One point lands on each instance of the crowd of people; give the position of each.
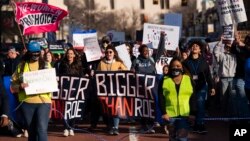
(186, 82)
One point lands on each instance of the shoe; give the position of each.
(115, 131)
(202, 129)
(25, 133)
(166, 130)
(147, 131)
(71, 132)
(66, 133)
(157, 124)
(111, 131)
(18, 135)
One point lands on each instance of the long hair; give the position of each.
(26, 58)
(116, 56)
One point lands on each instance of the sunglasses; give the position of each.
(109, 52)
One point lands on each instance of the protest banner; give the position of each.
(92, 49)
(38, 17)
(151, 33)
(121, 93)
(126, 94)
(78, 38)
(40, 81)
(71, 98)
(41, 41)
(124, 55)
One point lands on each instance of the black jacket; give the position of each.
(4, 100)
(200, 68)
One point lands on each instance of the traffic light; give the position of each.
(2, 2)
(184, 2)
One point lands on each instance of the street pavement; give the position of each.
(217, 131)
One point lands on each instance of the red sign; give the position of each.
(38, 17)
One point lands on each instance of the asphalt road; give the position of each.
(217, 131)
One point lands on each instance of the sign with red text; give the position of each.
(92, 49)
(151, 34)
(38, 17)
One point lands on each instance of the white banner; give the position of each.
(151, 33)
(78, 38)
(124, 55)
(92, 49)
(40, 81)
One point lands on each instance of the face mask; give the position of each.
(34, 57)
(176, 72)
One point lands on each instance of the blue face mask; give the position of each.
(176, 72)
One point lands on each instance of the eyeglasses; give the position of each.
(108, 52)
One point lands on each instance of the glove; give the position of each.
(4, 121)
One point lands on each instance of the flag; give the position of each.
(38, 17)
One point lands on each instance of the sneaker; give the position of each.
(147, 131)
(157, 124)
(111, 131)
(25, 133)
(71, 132)
(115, 131)
(18, 135)
(66, 133)
(166, 129)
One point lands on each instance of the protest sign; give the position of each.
(78, 38)
(38, 17)
(151, 33)
(124, 55)
(116, 36)
(41, 41)
(40, 81)
(228, 33)
(56, 48)
(231, 11)
(174, 19)
(92, 49)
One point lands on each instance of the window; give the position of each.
(112, 4)
(162, 4)
(167, 4)
(144, 19)
(155, 2)
(142, 4)
(184, 2)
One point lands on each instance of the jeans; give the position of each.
(226, 92)
(240, 101)
(178, 124)
(36, 116)
(201, 99)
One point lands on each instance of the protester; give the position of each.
(226, 72)
(70, 66)
(49, 58)
(200, 73)
(177, 101)
(10, 64)
(240, 100)
(4, 109)
(144, 64)
(247, 68)
(112, 62)
(36, 108)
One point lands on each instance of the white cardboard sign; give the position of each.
(92, 49)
